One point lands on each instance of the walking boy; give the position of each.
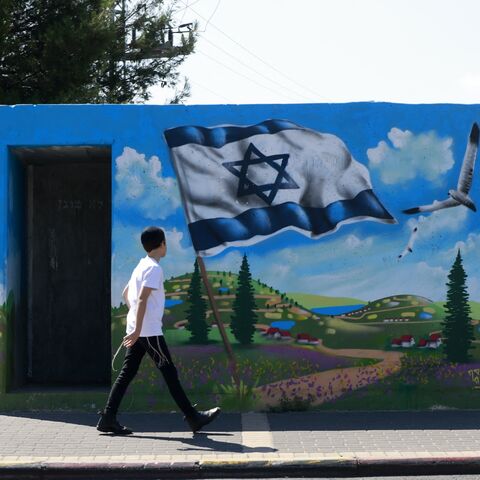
(145, 298)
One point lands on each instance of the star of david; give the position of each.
(254, 156)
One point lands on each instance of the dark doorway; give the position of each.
(68, 253)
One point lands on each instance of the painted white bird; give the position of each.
(460, 195)
(411, 241)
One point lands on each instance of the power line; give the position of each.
(255, 70)
(184, 12)
(187, 6)
(255, 55)
(211, 16)
(270, 89)
(230, 55)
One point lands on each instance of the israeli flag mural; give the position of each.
(241, 184)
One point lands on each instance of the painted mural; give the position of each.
(340, 242)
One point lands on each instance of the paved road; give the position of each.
(66, 445)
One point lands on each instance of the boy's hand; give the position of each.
(129, 340)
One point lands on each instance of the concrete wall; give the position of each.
(366, 316)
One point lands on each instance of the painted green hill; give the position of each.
(377, 323)
(309, 300)
(273, 305)
(397, 308)
(474, 306)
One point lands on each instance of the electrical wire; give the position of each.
(184, 12)
(211, 16)
(256, 71)
(270, 89)
(187, 6)
(230, 55)
(255, 55)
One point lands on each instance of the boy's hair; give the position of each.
(151, 238)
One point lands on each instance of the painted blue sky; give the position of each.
(413, 154)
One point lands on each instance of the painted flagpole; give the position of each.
(218, 321)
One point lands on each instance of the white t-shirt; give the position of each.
(148, 273)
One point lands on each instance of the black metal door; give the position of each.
(69, 238)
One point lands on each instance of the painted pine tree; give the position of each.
(197, 310)
(457, 327)
(243, 319)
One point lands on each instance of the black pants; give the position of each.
(157, 349)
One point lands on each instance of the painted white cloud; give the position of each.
(141, 185)
(230, 262)
(280, 271)
(473, 288)
(358, 267)
(179, 259)
(338, 283)
(470, 244)
(437, 273)
(334, 265)
(371, 282)
(441, 221)
(409, 156)
(368, 268)
(353, 242)
(307, 257)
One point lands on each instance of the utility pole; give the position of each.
(163, 50)
(129, 25)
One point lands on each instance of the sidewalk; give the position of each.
(66, 445)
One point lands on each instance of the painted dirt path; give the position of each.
(326, 386)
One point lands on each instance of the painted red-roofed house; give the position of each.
(285, 335)
(313, 341)
(407, 341)
(434, 341)
(272, 331)
(396, 343)
(422, 343)
(303, 338)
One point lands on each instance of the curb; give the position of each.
(340, 467)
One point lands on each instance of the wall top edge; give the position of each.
(241, 105)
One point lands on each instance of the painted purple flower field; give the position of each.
(203, 367)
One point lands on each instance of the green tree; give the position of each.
(457, 326)
(89, 51)
(197, 310)
(244, 317)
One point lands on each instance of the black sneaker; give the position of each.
(199, 419)
(108, 423)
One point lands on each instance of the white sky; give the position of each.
(409, 51)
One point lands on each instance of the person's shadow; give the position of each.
(202, 441)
